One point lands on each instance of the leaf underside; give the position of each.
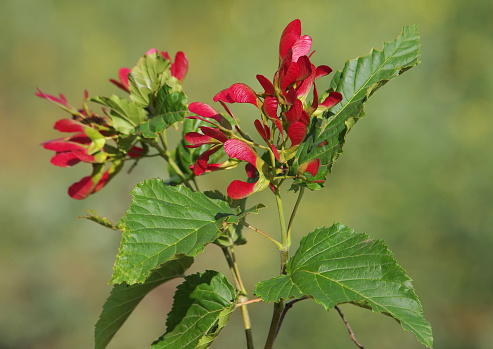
(201, 308)
(147, 77)
(164, 221)
(336, 265)
(124, 114)
(124, 299)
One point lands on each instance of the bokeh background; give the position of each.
(416, 171)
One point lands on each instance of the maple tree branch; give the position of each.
(288, 306)
(351, 333)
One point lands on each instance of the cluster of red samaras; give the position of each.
(91, 136)
(285, 116)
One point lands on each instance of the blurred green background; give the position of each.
(416, 171)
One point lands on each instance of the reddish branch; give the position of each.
(289, 305)
(351, 333)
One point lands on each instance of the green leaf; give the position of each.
(215, 194)
(360, 78)
(236, 232)
(254, 209)
(336, 265)
(170, 105)
(124, 299)
(147, 77)
(310, 182)
(170, 108)
(201, 308)
(125, 143)
(233, 235)
(124, 114)
(163, 221)
(93, 216)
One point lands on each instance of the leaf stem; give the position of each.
(277, 243)
(255, 300)
(144, 156)
(164, 141)
(250, 142)
(242, 297)
(282, 222)
(293, 214)
(285, 177)
(195, 183)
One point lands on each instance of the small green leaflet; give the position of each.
(125, 143)
(337, 265)
(124, 114)
(105, 222)
(147, 77)
(233, 235)
(170, 105)
(163, 221)
(124, 299)
(360, 78)
(170, 108)
(201, 308)
(254, 209)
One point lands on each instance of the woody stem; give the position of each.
(242, 297)
(279, 306)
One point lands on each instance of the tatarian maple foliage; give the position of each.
(169, 222)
